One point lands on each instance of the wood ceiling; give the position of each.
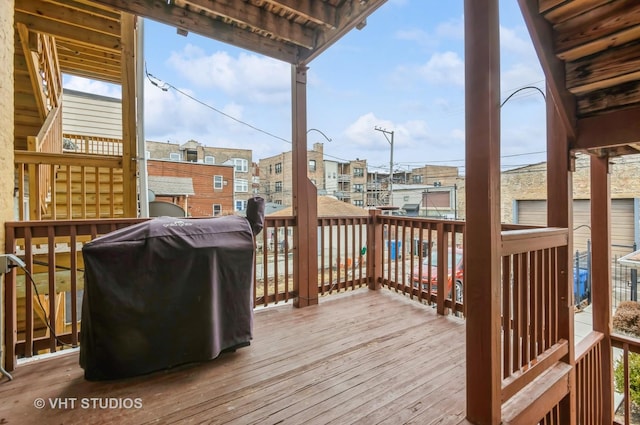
(589, 49)
(590, 52)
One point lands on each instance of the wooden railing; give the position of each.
(81, 186)
(79, 143)
(627, 345)
(589, 395)
(42, 61)
(50, 70)
(420, 259)
(531, 308)
(48, 140)
(51, 251)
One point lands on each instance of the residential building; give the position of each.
(90, 114)
(202, 190)
(347, 181)
(276, 183)
(435, 175)
(243, 181)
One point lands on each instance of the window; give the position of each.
(241, 205)
(174, 156)
(358, 188)
(358, 172)
(278, 202)
(192, 156)
(217, 210)
(417, 179)
(241, 165)
(312, 165)
(279, 168)
(358, 203)
(209, 159)
(241, 185)
(278, 186)
(218, 182)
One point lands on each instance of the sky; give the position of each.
(403, 72)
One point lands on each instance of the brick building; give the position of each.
(524, 194)
(244, 180)
(211, 186)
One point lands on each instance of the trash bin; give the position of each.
(392, 250)
(166, 292)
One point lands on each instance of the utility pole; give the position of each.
(390, 140)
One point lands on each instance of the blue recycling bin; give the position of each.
(392, 249)
(580, 285)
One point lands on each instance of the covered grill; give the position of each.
(167, 291)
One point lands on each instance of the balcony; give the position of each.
(353, 354)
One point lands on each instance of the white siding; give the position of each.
(91, 115)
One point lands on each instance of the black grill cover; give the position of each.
(166, 292)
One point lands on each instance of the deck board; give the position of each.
(362, 357)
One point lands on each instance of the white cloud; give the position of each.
(362, 132)
(511, 42)
(255, 78)
(92, 86)
(444, 68)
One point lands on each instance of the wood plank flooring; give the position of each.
(364, 357)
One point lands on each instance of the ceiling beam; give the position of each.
(68, 32)
(318, 12)
(178, 17)
(61, 14)
(351, 14)
(621, 127)
(542, 36)
(260, 19)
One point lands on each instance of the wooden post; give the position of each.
(374, 249)
(482, 245)
(601, 274)
(305, 199)
(129, 132)
(560, 214)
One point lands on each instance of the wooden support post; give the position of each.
(560, 214)
(375, 249)
(129, 131)
(482, 245)
(305, 199)
(601, 274)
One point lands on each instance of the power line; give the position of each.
(165, 86)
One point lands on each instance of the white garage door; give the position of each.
(622, 225)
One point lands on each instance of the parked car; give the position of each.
(432, 262)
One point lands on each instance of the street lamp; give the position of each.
(390, 140)
(323, 135)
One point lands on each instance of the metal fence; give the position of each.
(624, 279)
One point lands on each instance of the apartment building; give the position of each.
(276, 179)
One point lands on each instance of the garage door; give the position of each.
(622, 225)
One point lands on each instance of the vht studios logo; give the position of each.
(88, 403)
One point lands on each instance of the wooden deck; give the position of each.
(362, 357)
